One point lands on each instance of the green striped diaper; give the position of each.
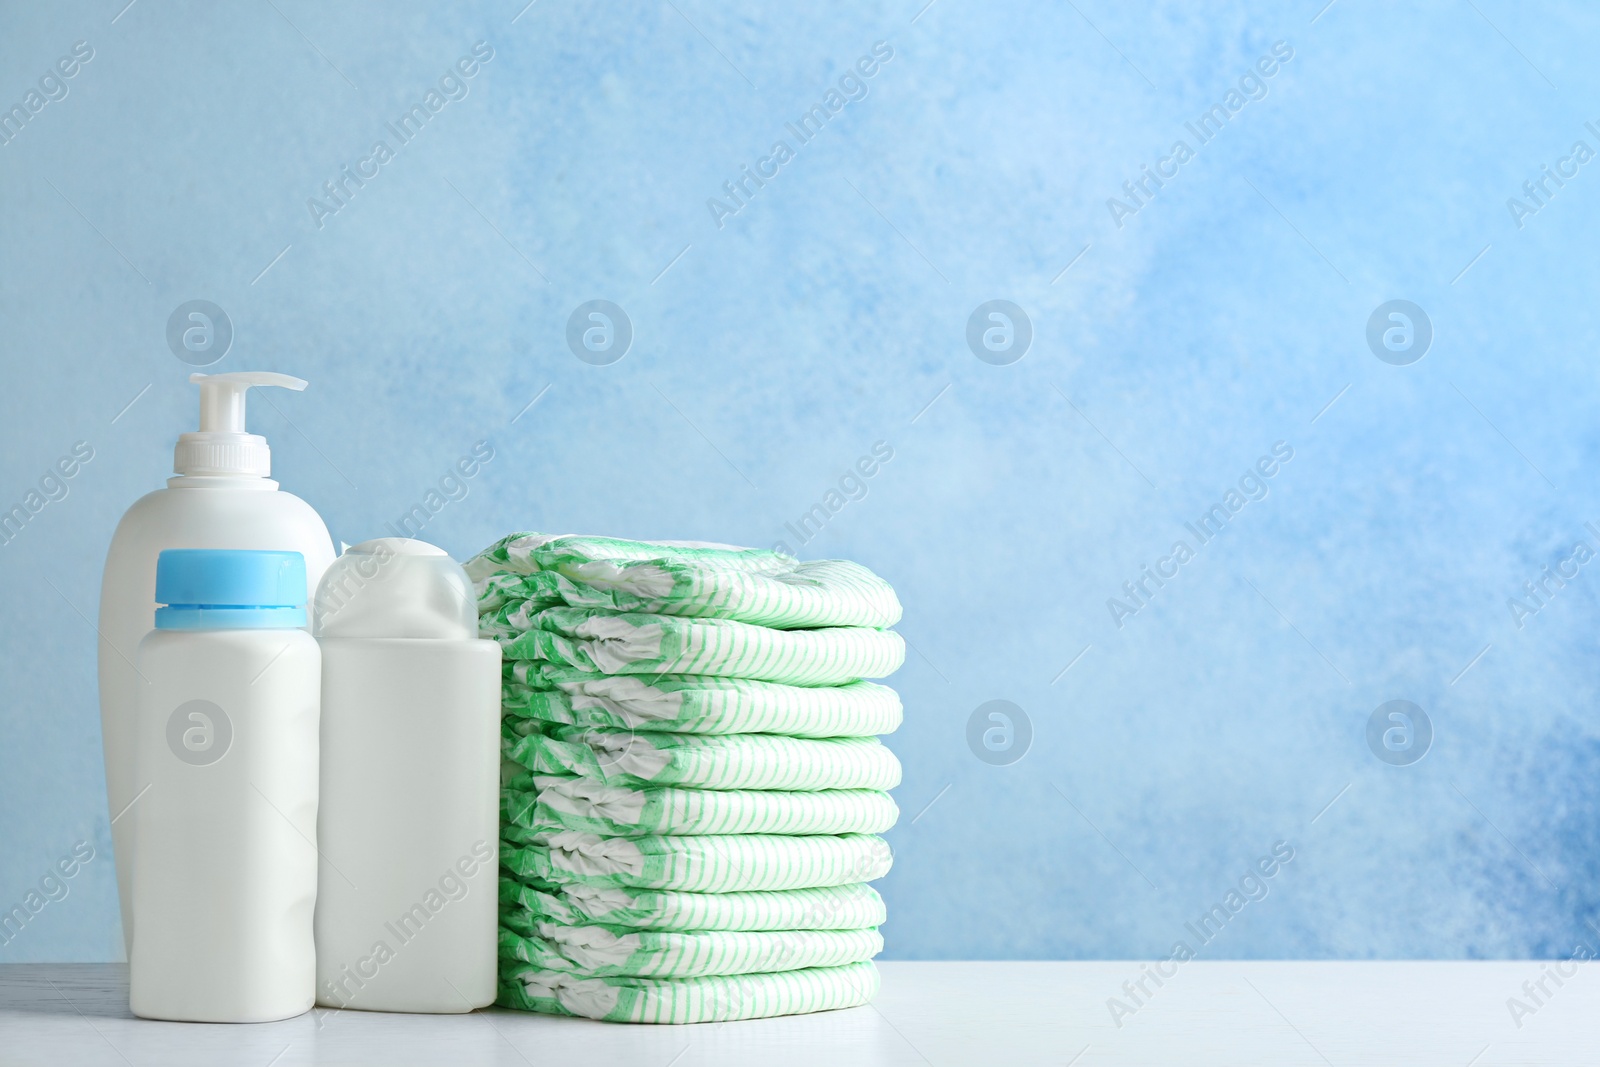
(692, 781)
(699, 705)
(636, 643)
(725, 761)
(843, 907)
(664, 578)
(687, 1000)
(547, 802)
(710, 864)
(596, 951)
(528, 553)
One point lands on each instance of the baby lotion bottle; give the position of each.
(224, 883)
(221, 497)
(409, 817)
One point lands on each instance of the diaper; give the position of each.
(636, 643)
(729, 761)
(597, 952)
(844, 907)
(528, 987)
(746, 584)
(709, 864)
(544, 802)
(692, 784)
(697, 704)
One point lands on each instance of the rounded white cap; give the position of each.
(395, 587)
(221, 446)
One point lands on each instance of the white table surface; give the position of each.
(993, 1014)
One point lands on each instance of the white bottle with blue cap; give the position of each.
(224, 883)
(222, 497)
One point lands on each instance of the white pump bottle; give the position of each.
(221, 497)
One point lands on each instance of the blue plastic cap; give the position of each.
(229, 588)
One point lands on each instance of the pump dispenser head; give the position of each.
(222, 447)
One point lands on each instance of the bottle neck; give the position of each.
(221, 481)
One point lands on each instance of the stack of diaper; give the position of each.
(694, 785)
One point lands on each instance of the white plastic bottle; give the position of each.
(221, 498)
(408, 824)
(225, 878)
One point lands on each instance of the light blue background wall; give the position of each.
(829, 314)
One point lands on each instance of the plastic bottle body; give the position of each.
(224, 880)
(193, 512)
(408, 824)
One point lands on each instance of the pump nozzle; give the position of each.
(222, 446)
